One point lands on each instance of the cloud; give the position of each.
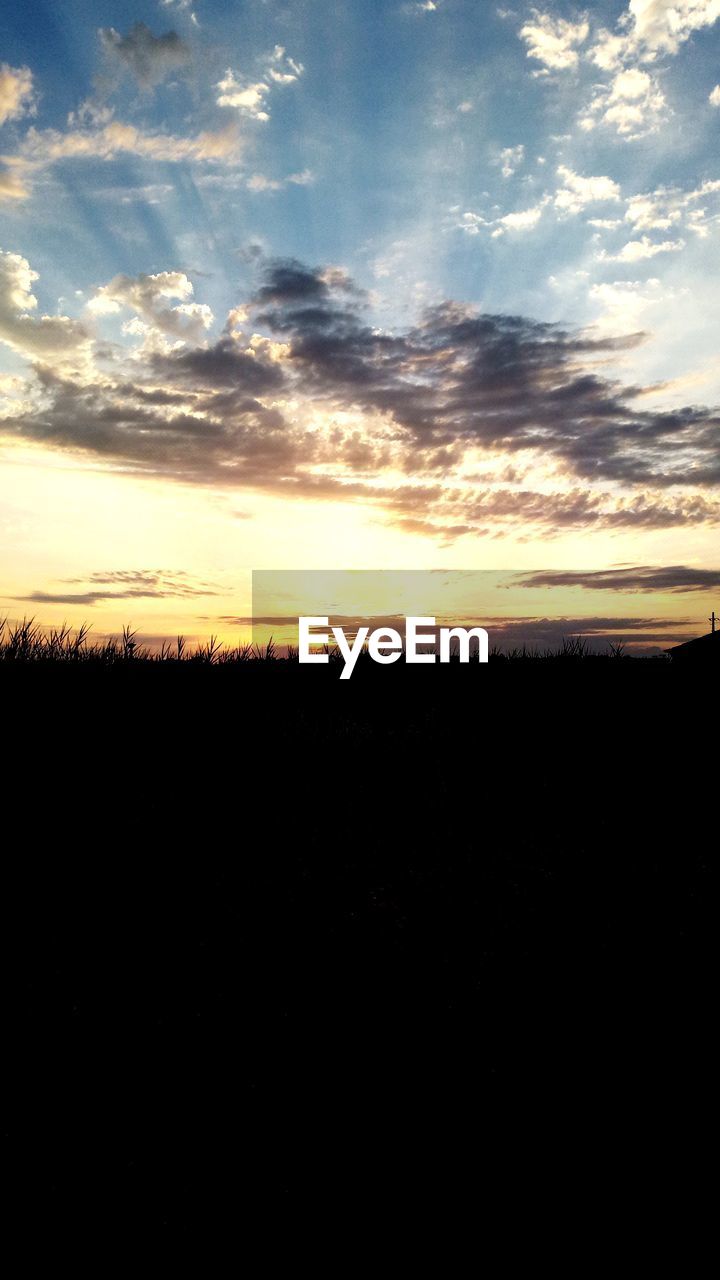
(43, 148)
(625, 303)
(635, 578)
(661, 26)
(553, 41)
(50, 145)
(651, 213)
(573, 195)
(714, 97)
(543, 634)
(633, 104)
(283, 69)
(248, 96)
(511, 159)
(649, 28)
(150, 59)
(639, 250)
(126, 584)
(260, 183)
(576, 192)
(148, 295)
(224, 367)
(521, 220)
(420, 424)
(670, 207)
(43, 337)
(12, 182)
(16, 92)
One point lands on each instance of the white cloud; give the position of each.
(47, 145)
(470, 223)
(661, 26)
(46, 338)
(671, 207)
(258, 182)
(245, 97)
(511, 158)
(182, 5)
(624, 303)
(303, 179)
(651, 212)
(649, 28)
(609, 50)
(553, 41)
(638, 250)
(16, 92)
(12, 182)
(520, 220)
(577, 192)
(633, 104)
(524, 220)
(248, 96)
(148, 297)
(714, 98)
(283, 69)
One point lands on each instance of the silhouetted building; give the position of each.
(705, 648)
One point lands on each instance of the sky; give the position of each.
(341, 285)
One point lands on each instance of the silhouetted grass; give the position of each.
(29, 642)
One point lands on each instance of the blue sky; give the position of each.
(400, 115)
(160, 161)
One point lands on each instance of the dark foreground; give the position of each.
(276, 940)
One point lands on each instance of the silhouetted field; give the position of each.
(245, 899)
(27, 641)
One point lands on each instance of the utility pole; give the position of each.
(712, 621)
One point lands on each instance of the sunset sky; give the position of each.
(359, 284)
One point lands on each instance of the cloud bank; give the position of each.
(463, 422)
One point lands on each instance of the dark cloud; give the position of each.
(224, 364)
(246, 444)
(675, 578)
(232, 413)
(495, 380)
(289, 283)
(149, 58)
(126, 584)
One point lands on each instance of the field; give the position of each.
(243, 893)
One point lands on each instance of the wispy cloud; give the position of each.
(126, 584)
(250, 97)
(632, 578)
